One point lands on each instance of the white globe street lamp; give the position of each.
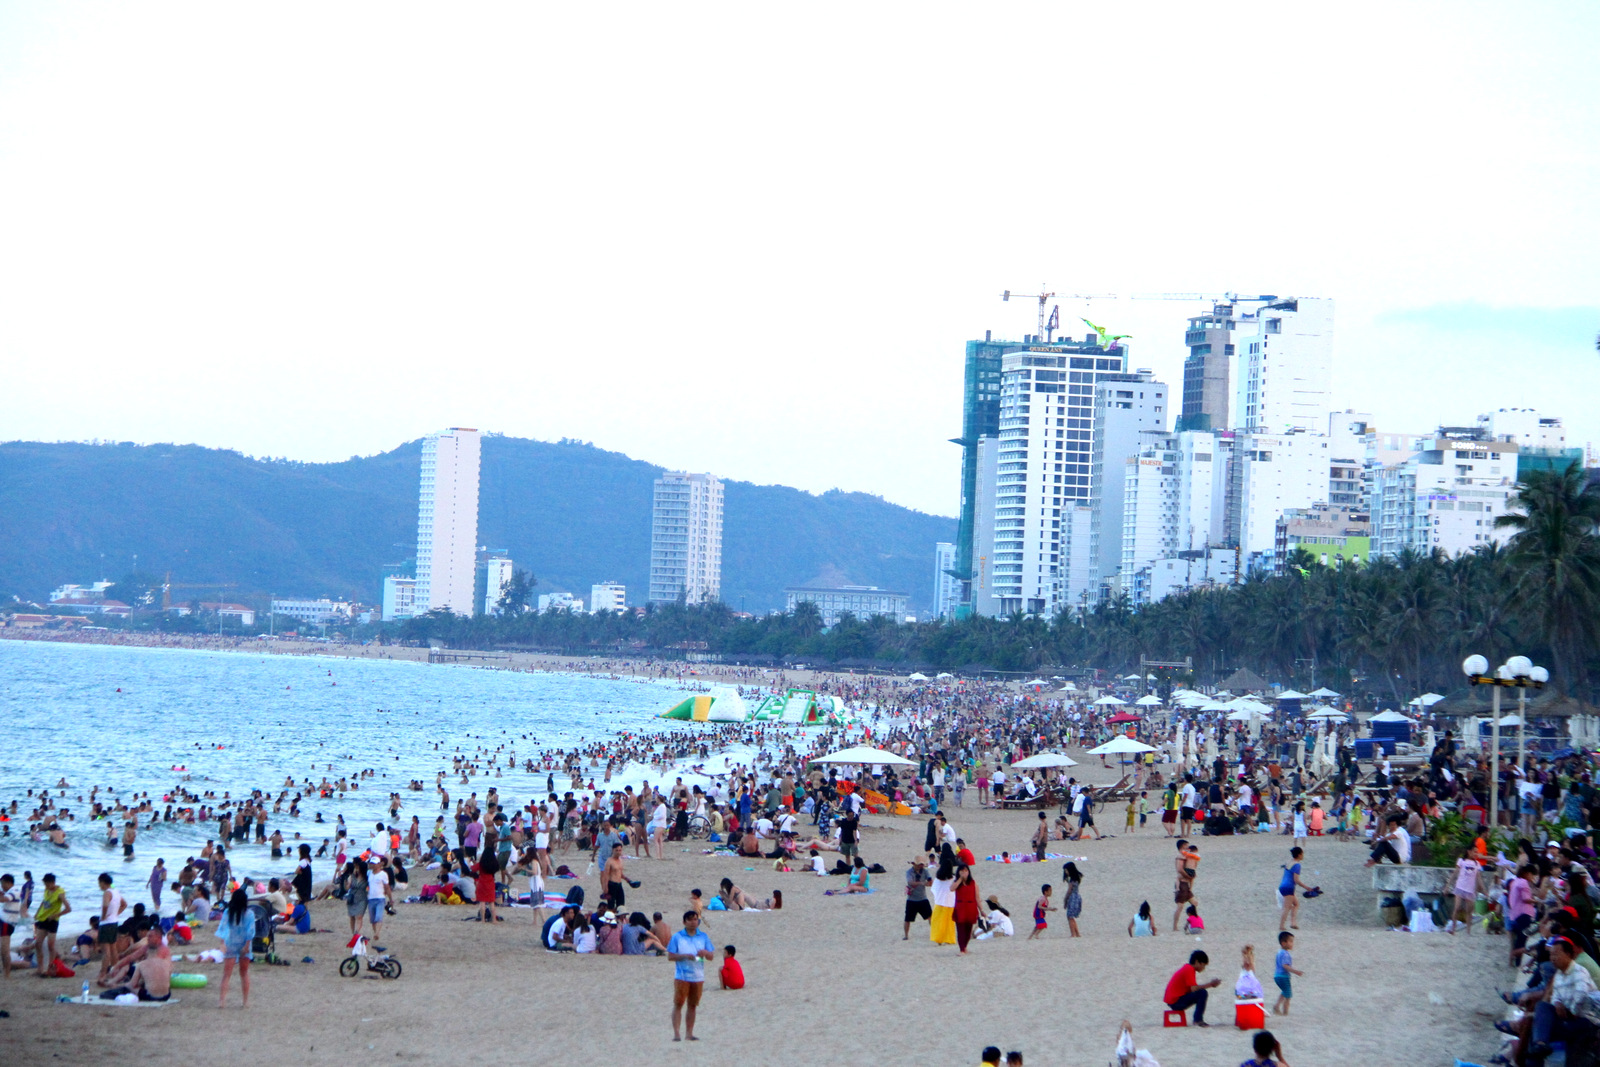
(1517, 671)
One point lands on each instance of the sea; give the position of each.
(143, 719)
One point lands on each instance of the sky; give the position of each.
(753, 239)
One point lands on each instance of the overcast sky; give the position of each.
(752, 239)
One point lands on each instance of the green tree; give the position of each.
(1555, 546)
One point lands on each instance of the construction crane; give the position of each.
(168, 586)
(1048, 326)
(1231, 298)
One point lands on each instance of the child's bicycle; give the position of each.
(386, 965)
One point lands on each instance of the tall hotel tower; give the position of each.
(686, 539)
(447, 520)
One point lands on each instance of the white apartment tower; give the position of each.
(1174, 498)
(1125, 407)
(1284, 374)
(1043, 462)
(686, 539)
(1446, 497)
(946, 588)
(608, 596)
(447, 521)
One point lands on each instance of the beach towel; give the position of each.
(846, 893)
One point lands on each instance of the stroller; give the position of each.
(264, 946)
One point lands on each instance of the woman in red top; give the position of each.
(966, 910)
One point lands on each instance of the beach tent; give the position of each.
(1389, 716)
(1426, 700)
(918, 677)
(1042, 760)
(1119, 745)
(944, 676)
(866, 755)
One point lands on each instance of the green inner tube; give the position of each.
(188, 981)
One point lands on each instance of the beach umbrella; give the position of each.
(1427, 700)
(1243, 715)
(1109, 701)
(1290, 694)
(1042, 760)
(944, 676)
(918, 677)
(865, 754)
(1121, 744)
(1324, 692)
(1070, 687)
(1130, 678)
(1125, 716)
(1151, 701)
(1389, 716)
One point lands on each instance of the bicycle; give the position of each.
(384, 964)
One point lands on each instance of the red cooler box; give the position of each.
(1250, 1014)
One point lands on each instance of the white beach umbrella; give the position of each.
(1042, 760)
(1389, 716)
(1120, 744)
(1109, 701)
(1290, 694)
(865, 754)
(944, 676)
(1324, 692)
(918, 677)
(1151, 701)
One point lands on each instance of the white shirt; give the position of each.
(376, 882)
(658, 818)
(787, 824)
(379, 844)
(948, 834)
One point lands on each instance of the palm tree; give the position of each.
(1556, 548)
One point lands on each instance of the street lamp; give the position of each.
(1518, 673)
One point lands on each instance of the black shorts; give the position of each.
(108, 934)
(919, 909)
(127, 849)
(48, 926)
(1186, 814)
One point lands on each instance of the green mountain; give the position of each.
(571, 513)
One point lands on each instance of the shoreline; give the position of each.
(615, 668)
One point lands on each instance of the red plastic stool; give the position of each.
(1174, 1018)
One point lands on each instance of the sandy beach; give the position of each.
(830, 978)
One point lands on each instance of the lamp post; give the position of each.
(1518, 672)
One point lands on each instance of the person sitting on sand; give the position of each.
(860, 878)
(148, 969)
(733, 898)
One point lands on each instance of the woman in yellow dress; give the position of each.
(942, 928)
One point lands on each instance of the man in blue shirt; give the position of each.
(689, 948)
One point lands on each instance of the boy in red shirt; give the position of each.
(732, 973)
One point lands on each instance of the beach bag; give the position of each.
(60, 969)
(715, 904)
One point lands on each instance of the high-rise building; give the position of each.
(608, 596)
(1447, 496)
(560, 602)
(980, 418)
(946, 588)
(1044, 452)
(1271, 473)
(1207, 372)
(1283, 377)
(1125, 406)
(496, 569)
(447, 521)
(981, 600)
(685, 539)
(1174, 497)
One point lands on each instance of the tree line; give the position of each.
(1393, 627)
